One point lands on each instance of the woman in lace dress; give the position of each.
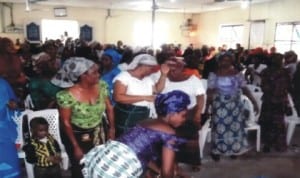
(225, 87)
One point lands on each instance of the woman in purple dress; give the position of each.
(225, 87)
(141, 146)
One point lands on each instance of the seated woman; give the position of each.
(131, 153)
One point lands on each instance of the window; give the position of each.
(63, 29)
(287, 37)
(142, 34)
(256, 37)
(230, 35)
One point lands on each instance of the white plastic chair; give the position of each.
(52, 117)
(18, 119)
(291, 121)
(252, 122)
(256, 93)
(204, 84)
(204, 133)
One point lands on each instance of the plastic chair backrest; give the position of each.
(294, 112)
(18, 119)
(52, 117)
(249, 106)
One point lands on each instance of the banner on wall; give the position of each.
(33, 32)
(86, 33)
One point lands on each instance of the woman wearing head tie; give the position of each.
(135, 150)
(81, 107)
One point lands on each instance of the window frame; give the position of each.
(232, 42)
(290, 43)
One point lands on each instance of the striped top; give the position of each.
(44, 150)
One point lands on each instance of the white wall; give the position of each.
(119, 26)
(272, 13)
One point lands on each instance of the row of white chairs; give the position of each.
(52, 117)
(291, 120)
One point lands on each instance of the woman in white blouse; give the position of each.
(134, 92)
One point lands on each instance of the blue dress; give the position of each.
(9, 163)
(108, 78)
(228, 121)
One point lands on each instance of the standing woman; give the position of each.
(276, 83)
(225, 87)
(81, 107)
(134, 92)
(9, 162)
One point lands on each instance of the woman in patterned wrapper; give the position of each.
(135, 150)
(225, 87)
(81, 107)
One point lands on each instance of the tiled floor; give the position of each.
(250, 165)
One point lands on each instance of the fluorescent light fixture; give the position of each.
(245, 4)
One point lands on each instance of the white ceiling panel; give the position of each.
(191, 6)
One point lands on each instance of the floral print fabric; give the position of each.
(84, 115)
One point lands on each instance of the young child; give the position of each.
(47, 151)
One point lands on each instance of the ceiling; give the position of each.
(188, 6)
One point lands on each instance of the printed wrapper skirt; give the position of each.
(111, 160)
(228, 125)
(127, 116)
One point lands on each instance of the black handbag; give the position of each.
(28, 148)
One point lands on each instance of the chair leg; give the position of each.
(258, 135)
(290, 132)
(65, 161)
(29, 169)
(202, 139)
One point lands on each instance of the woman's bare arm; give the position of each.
(111, 118)
(65, 116)
(168, 163)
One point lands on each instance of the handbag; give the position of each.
(28, 148)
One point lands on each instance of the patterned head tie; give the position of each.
(71, 70)
(171, 102)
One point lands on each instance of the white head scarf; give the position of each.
(145, 59)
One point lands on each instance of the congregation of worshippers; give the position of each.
(104, 91)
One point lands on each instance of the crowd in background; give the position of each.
(128, 85)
